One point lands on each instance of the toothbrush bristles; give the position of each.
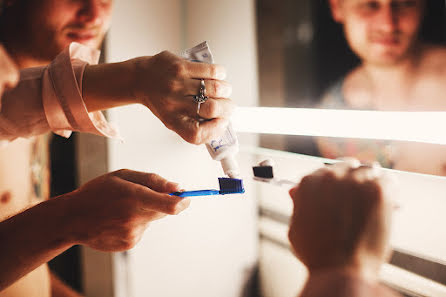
(231, 185)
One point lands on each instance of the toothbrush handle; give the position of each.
(195, 193)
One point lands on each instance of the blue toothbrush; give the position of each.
(227, 186)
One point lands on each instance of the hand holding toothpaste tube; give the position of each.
(166, 84)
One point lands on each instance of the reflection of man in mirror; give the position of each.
(397, 72)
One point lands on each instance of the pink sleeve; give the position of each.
(64, 106)
(50, 98)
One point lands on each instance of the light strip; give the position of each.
(426, 127)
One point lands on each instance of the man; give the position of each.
(398, 72)
(59, 23)
(35, 32)
(347, 208)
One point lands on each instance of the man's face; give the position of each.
(53, 24)
(380, 32)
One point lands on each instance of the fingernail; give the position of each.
(174, 184)
(184, 203)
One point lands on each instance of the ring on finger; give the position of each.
(201, 96)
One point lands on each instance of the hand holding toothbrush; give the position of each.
(111, 212)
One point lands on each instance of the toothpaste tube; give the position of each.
(224, 148)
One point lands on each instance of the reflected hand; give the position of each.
(341, 219)
(111, 212)
(166, 84)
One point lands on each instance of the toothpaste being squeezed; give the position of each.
(224, 148)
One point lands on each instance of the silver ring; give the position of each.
(201, 96)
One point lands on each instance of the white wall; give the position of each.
(209, 249)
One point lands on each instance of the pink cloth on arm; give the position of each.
(50, 98)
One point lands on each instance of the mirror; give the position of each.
(385, 55)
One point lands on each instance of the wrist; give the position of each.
(344, 281)
(108, 85)
(137, 85)
(347, 271)
(66, 219)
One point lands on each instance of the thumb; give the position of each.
(150, 180)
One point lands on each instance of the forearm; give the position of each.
(343, 284)
(109, 85)
(50, 98)
(32, 238)
(60, 289)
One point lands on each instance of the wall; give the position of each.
(210, 249)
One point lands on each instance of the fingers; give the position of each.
(151, 180)
(212, 129)
(151, 189)
(205, 71)
(199, 132)
(216, 108)
(160, 202)
(214, 88)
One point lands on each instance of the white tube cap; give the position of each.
(230, 167)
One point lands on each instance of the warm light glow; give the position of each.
(429, 127)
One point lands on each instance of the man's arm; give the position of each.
(69, 94)
(109, 213)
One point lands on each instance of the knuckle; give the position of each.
(152, 178)
(217, 88)
(213, 70)
(121, 172)
(173, 86)
(178, 69)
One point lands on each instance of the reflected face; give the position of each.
(380, 31)
(53, 24)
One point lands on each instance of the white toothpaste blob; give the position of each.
(267, 162)
(224, 148)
